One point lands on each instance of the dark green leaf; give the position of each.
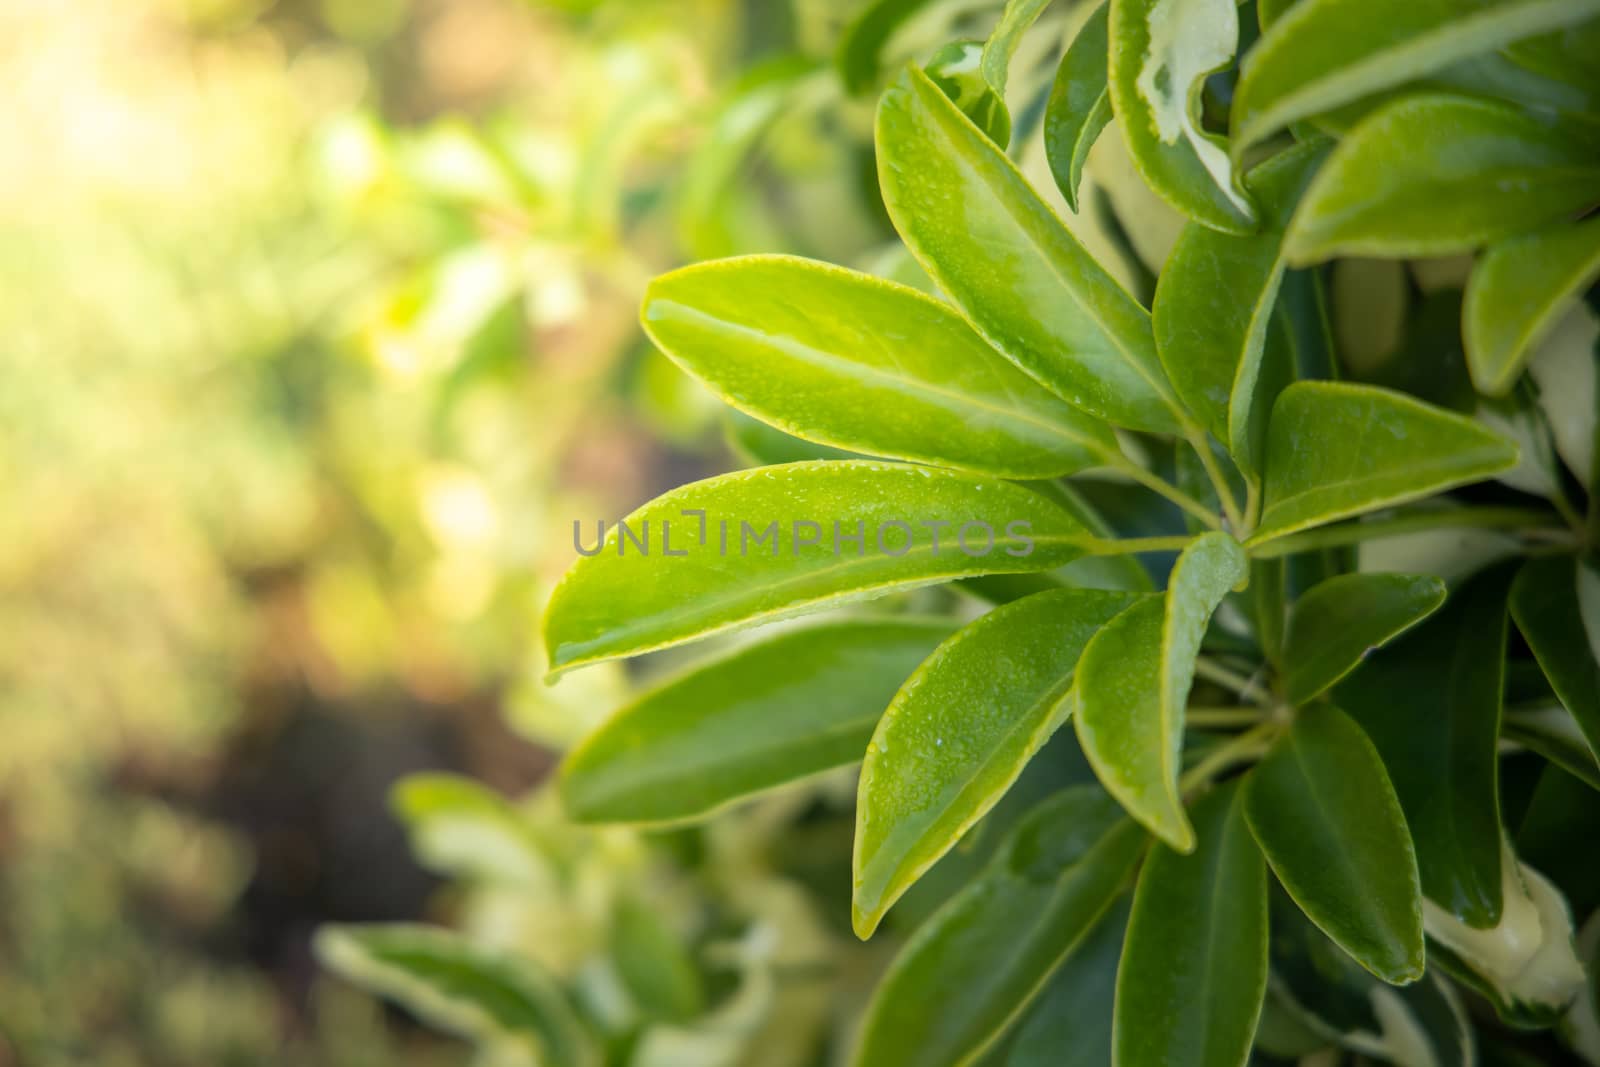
(1194, 969)
(1079, 106)
(972, 968)
(1545, 603)
(1336, 623)
(1007, 261)
(799, 703)
(1069, 1025)
(859, 57)
(1431, 704)
(1326, 817)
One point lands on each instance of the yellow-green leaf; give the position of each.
(959, 733)
(1337, 622)
(1336, 450)
(848, 360)
(1133, 684)
(973, 967)
(1161, 54)
(1516, 293)
(802, 702)
(776, 542)
(1214, 304)
(1010, 265)
(1325, 814)
(1438, 175)
(1194, 968)
(1321, 54)
(460, 987)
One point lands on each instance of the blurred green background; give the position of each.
(317, 330)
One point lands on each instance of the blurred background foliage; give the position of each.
(319, 329)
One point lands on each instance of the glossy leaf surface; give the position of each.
(1545, 603)
(1437, 175)
(1337, 622)
(1133, 684)
(1516, 293)
(1336, 450)
(1194, 969)
(621, 601)
(848, 360)
(1007, 261)
(960, 731)
(460, 987)
(1326, 817)
(1321, 54)
(799, 703)
(1079, 106)
(972, 968)
(1431, 703)
(1161, 53)
(1214, 307)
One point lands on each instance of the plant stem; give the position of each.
(1223, 717)
(1247, 688)
(1119, 546)
(1208, 459)
(1163, 488)
(1529, 521)
(1246, 746)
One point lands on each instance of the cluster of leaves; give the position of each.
(1369, 783)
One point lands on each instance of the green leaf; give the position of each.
(1552, 732)
(1337, 622)
(1437, 175)
(1079, 105)
(653, 963)
(1336, 450)
(877, 527)
(971, 969)
(959, 733)
(1518, 291)
(1002, 44)
(458, 987)
(460, 827)
(800, 703)
(1419, 1025)
(1545, 603)
(1431, 704)
(1007, 261)
(1069, 1025)
(757, 444)
(1214, 307)
(956, 69)
(1525, 964)
(1133, 684)
(859, 57)
(1321, 54)
(1325, 815)
(1161, 53)
(851, 361)
(1194, 969)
